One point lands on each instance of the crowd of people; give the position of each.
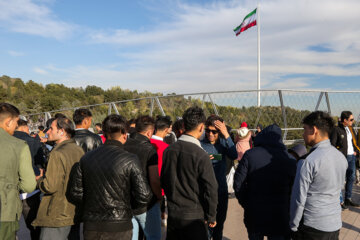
(133, 177)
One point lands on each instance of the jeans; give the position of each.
(55, 233)
(95, 235)
(30, 209)
(150, 222)
(350, 176)
(260, 236)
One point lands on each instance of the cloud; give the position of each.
(15, 53)
(40, 71)
(35, 18)
(197, 49)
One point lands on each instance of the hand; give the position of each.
(43, 140)
(41, 174)
(222, 128)
(212, 224)
(211, 157)
(354, 153)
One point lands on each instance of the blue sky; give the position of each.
(181, 46)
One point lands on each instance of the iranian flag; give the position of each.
(248, 22)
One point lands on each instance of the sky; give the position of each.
(181, 46)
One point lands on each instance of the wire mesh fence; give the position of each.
(286, 108)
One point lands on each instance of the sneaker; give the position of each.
(348, 202)
(343, 207)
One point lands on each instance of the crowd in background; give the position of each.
(130, 178)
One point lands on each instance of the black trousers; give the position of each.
(30, 209)
(186, 229)
(217, 232)
(309, 233)
(95, 235)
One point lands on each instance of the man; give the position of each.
(315, 212)
(56, 214)
(16, 172)
(189, 182)
(41, 133)
(262, 185)
(31, 201)
(218, 143)
(343, 138)
(148, 218)
(107, 182)
(162, 128)
(83, 137)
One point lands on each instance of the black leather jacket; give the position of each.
(338, 139)
(87, 140)
(108, 182)
(147, 154)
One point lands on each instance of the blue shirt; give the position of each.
(227, 148)
(316, 191)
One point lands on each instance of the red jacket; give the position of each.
(160, 147)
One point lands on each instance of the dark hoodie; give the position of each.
(263, 182)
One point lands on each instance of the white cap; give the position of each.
(242, 132)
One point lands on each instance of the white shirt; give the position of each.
(350, 150)
(157, 137)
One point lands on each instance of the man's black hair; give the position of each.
(193, 116)
(41, 128)
(210, 121)
(143, 123)
(345, 115)
(22, 123)
(98, 124)
(162, 122)
(65, 124)
(58, 115)
(80, 114)
(8, 110)
(114, 125)
(321, 120)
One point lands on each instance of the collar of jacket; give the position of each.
(341, 125)
(141, 138)
(81, 130)
(190, 139)
(114, 142)
(20, 133)
(64, 142)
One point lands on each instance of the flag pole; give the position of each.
(258, 51)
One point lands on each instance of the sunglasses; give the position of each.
(351, 120)
(211, 131)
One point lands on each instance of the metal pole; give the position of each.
(283, 113)
(319, 101)
(109, 111)
(159, 105)
(203, 103)
(115, 108)
(328, 102)
(151, 106)
(258, 52)
(214, 106)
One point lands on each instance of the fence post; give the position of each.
(213, 104)
(115, 108)
(109, 110)
(151, 106)
(203, 101)
(328, 102)
(159, 105)
(283, 113)
(319, 101)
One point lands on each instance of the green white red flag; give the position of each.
(248, 22)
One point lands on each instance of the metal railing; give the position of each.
(286, 107)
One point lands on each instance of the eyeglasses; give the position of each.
(351, 120)
(211, 131)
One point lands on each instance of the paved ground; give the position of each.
(235, 228)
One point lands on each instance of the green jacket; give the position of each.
(55, 210)
(16, 173)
